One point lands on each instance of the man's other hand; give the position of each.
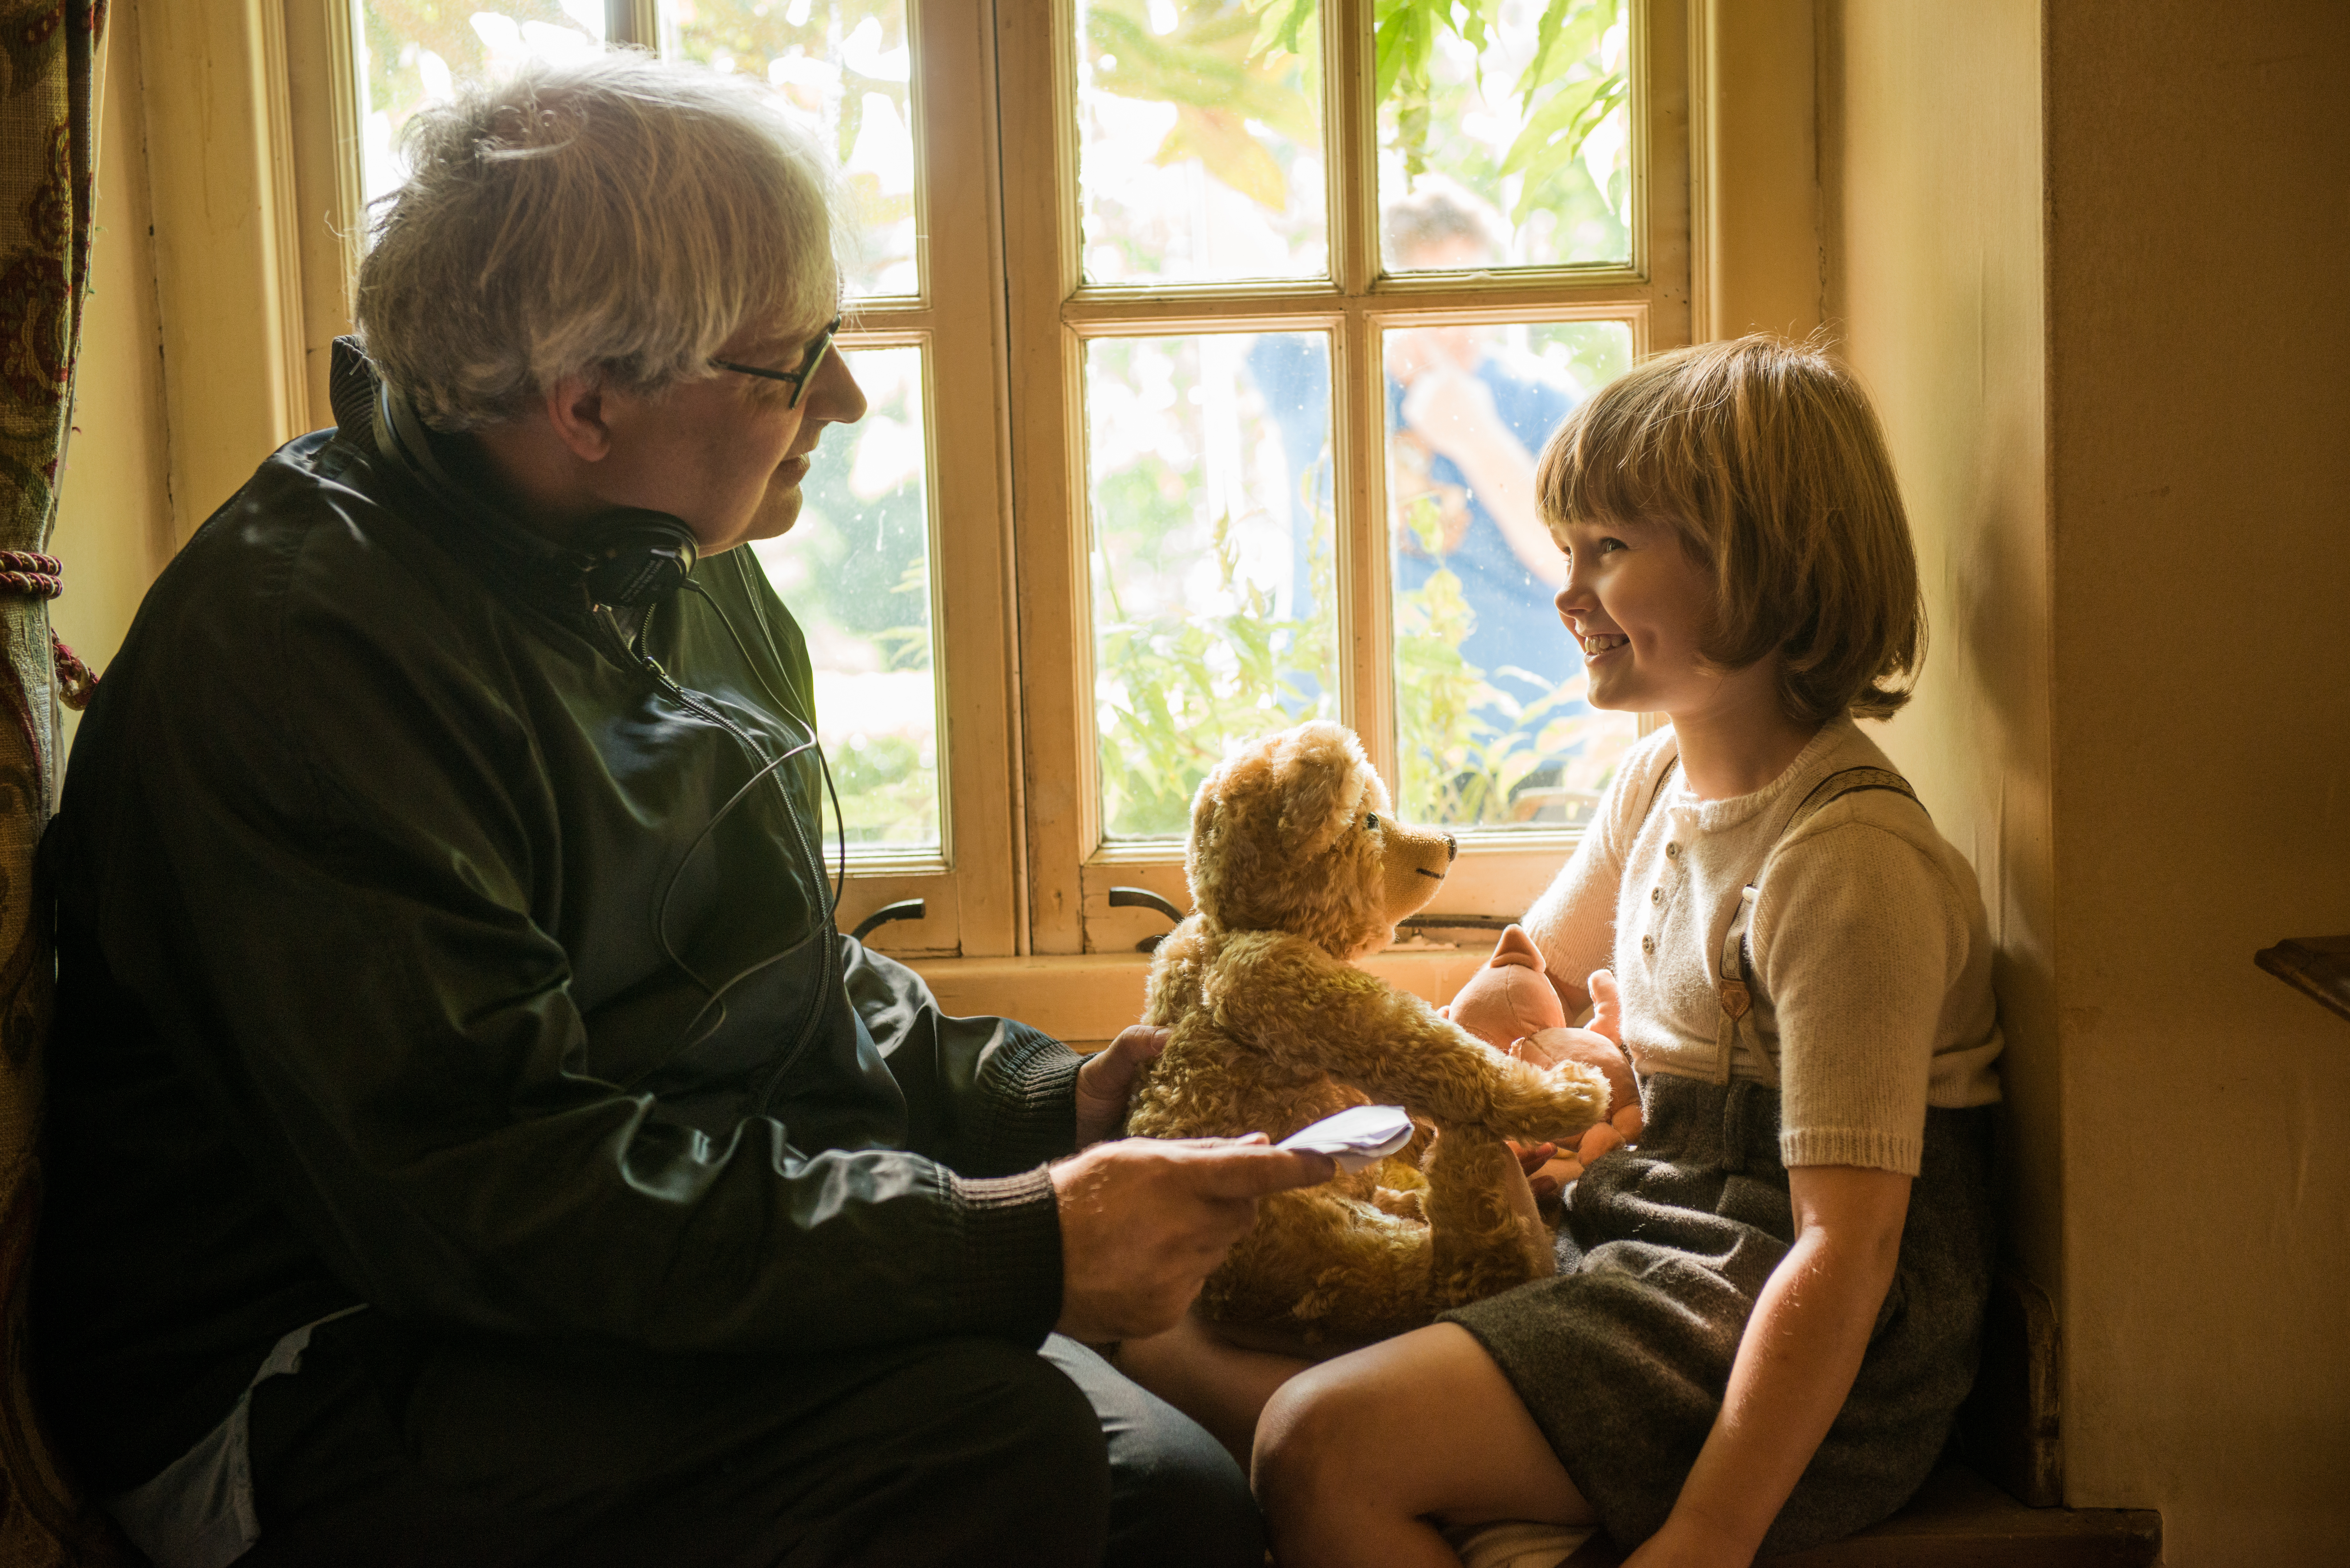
(1144, 1221)
(1105, 1082)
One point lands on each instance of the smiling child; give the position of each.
(1766, 1312)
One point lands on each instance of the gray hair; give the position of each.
(612, 215)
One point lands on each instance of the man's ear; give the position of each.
(575, 408)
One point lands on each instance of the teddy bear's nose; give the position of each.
(1451, 849)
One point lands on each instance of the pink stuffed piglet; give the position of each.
(1512, 1005)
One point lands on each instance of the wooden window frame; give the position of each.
(1072, 864)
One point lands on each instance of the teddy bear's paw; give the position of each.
(1549, 1106)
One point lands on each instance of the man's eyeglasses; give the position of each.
(797, 379)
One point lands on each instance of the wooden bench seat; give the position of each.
(1959, 1520)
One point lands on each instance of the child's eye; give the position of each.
(1607, 545)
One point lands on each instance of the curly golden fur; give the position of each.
(1297, 868)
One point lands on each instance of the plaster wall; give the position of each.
(2198, 425)
(2088, 258)
(1932, 232)
(114, 529)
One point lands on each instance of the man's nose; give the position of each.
(835, 396)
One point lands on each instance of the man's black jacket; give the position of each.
(374, 853)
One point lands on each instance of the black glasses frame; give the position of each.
(797, 379)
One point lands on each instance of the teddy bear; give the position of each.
(1298, 867)
(1511, 1005)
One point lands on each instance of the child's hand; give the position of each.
(1607, 1006)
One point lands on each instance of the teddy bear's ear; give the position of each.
(1323, 780)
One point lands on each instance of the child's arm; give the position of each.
(1796, 1365)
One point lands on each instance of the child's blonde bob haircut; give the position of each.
(1766, 458)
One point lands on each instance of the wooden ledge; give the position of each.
(1957, 1520)
(2318, 966)
(1085, 999)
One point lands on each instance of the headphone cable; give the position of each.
(807, 721)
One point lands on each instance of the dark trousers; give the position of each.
(386, 1450)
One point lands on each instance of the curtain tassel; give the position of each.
(42, 577)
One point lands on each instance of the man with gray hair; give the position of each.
(472, 1142)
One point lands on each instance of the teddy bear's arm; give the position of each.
(1295, 1002)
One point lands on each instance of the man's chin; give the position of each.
(773, 520)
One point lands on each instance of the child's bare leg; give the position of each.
(1215, 1382)
(1360, 1459)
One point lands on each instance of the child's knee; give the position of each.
(1311, 1435)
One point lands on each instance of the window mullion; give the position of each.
(957, 188)
(632, 22)
(1352, 134)
(1366, 695)
(1033, 82)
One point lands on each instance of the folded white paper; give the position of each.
(1357, 1136)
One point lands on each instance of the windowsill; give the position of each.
(1087, 998)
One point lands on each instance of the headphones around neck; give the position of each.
(627, 557)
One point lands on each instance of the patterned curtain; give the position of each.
(49, 76)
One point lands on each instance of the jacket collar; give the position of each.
(378, 421)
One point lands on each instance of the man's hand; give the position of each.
(1105, 1082)
(1144, 1221)
(1449, 408)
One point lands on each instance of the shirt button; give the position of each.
(1647, 944)
(1656, 895)
(1672, 852)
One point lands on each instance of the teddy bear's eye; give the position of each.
(1371, 819)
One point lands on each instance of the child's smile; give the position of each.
(1639, 606)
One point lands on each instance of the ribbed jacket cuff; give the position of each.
(1010, 1280)
(1852, 1145)
(1030, 1089)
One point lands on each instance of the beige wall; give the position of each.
(2130, 475)
(1930, 158)
(193, 364)
(2199, 375)
(114, 516)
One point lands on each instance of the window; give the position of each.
(1297, 288)
(1209, 343)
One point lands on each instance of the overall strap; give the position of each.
(1737, 948)
(1657, 793)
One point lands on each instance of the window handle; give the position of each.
(903, 910)
(1144, 898)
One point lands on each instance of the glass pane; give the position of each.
(414, 52)
(1200, 153)
(1492, 727)
(844, 65)
(855, 571)
(1213, 558)
(1505, 133)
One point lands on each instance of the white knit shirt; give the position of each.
(1871, 959)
